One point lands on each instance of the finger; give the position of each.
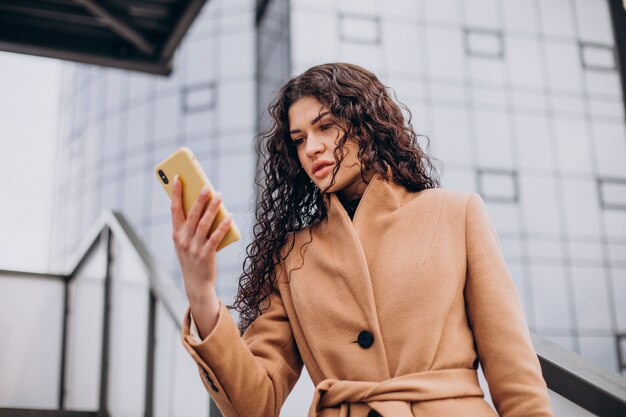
(178, 215)
(218, 235)
(197, 208)
(204, 225)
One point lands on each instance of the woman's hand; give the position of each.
(196, 248)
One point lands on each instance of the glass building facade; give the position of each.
(521, 101)
(118, 125)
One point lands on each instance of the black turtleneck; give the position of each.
(351, 207)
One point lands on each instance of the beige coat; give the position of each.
(389, 312)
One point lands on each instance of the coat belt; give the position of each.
(392, 397)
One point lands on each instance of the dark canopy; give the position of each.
(139, 35)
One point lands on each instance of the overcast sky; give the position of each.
(29, 97)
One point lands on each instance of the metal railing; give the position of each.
(587, 385)
(113, 256)
(112, 239)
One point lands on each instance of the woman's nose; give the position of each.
(314, 145)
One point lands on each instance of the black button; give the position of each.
(365, 339)
(373, 413)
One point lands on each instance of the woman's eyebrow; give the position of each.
(317, 119)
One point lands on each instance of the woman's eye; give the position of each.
(326, 126)
(298, 141)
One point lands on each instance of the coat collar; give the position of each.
(380, 198)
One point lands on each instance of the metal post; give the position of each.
(66, 311)
(104, 367)
(149, 399)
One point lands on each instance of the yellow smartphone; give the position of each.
(192, 176)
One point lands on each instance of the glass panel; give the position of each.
(236, 105)
(241, 63)
(166, 118)
(128, 348)
(177, 382)
(165, 342)
(484, 43)
(236, 186)
(591, 299)
(441, 11)
(550, 300)
(30, 348)
(134, 195)
(138, 124)
(494, 143)
(594, 21)
(359, 29)
(189, 397)
(129, 332)
(556, 18)
(128, 267)
(581, 211)
(161, 245)
(445, 54)
(84, 338)
(202, 65)
(84, 348)
(482, 13)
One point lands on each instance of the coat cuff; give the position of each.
(209, 353)
(193, 330)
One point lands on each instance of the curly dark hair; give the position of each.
(289, 200)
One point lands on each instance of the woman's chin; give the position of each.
(323, 187)
(323, 183)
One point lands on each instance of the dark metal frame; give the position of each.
(469, 31)
(106, 327)
(600, 183)
(261, 6)
(621, 359)
(149, 395)
(618, 16)
(601, 392)
(66, 312)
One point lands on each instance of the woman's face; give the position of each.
(315, 133)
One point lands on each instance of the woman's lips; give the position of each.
(323, 171)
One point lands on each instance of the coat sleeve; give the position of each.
(251, 375)
(496, 316)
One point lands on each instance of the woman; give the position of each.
(387, 288)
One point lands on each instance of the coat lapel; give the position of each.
(332, 266)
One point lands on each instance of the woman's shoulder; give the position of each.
(445, 207)
(442, 196)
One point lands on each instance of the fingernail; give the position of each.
(205, 190)
(175, 179)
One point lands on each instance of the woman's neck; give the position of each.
(351, 207)
(354, 191)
